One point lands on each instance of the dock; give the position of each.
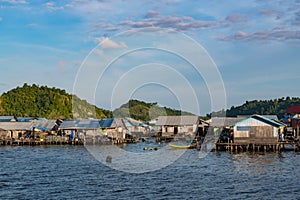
(257, 147)
(31, 142)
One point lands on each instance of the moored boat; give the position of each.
(175, 146)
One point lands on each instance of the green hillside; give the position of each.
(51, 103)
(263, 107)
(140, 110)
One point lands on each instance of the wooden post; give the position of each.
(297, 132)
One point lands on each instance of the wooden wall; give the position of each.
(256, 135)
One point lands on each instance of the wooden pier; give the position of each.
(10, 142)
(257, 147)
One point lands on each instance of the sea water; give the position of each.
(71, 172)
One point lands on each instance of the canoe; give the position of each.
(174, 146)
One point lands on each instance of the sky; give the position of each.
(199, 56)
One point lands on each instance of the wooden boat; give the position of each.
(174, 146)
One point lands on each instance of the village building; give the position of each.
(80, 129)
(257, 129)
(15, 130)
(293, 121)
(221, 127)
(224, 122)
(27, 129)
(180, 126)
(114, 128)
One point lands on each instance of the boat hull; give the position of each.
(174, 146)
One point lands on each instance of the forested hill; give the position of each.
(51, 103)
(263, 107)
(140, 110)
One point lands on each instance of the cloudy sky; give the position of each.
(254, 47)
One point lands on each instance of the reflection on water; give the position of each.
(255, 163)
(133, 158)
(69, 172)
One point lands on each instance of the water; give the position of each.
(70, 172)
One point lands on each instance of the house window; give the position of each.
(243, 128)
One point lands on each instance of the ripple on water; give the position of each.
(67, 172)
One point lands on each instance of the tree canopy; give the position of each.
(143, 111)
(264, 107)
(51, 103)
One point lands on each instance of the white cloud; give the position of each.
(52, 7)
(107, 43)
(15, 1)
(279, 35)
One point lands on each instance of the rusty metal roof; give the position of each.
(293, 109)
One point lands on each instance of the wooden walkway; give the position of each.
(31, 142)
(261, 147)
(10, 142)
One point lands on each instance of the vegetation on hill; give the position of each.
(143, 111)
(51, 103)
(263, 107)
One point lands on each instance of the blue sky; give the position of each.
(254, 44)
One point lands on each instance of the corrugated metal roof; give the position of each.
(262, 119)
(225, 121)
(106, 123)
(272, 117)
(266, 120)
(177, 120)
(118, 122)
(80, 124)
(45, 124)
(112, 123)
(7, 118)
(29, 125)
(25, 119)
(16, 126)
(133, 122)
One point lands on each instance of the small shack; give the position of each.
(224, 122)
(221, 127)
(15, 130)
(257, 129)
(293, 120)
(178, 125)
(80, 129)
(24, 129)
(114, 128)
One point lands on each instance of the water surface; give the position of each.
(69, 172)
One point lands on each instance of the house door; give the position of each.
(175, 130)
